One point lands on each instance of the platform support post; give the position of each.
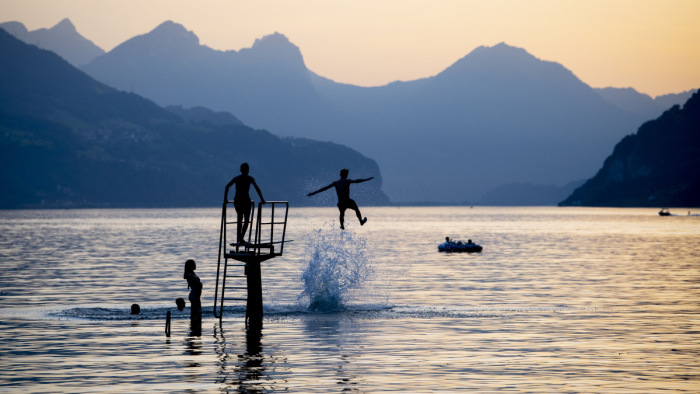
(254, 307)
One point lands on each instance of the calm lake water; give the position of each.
(560, 300)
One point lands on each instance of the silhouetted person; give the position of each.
(180, 304)
(342, 189)
(195, 286)
(135, 309)
(241, 200)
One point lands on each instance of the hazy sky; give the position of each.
(650, 45)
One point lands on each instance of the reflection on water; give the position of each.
(561, 300)
(329, 336)
(244, 367)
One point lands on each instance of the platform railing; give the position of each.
(266, 230)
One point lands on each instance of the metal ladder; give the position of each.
(265, 238)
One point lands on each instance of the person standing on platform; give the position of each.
(241, 200)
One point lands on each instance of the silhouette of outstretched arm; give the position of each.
(320, 190)
(362, 180)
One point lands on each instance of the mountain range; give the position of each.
(497, 116)
(658, 166)
(497, 124)
(62, 39)
(68, 140)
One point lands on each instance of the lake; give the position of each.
(559, 300)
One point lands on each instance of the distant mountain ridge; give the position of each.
(659, 166)
(643, 104)
(497, 116)
(62, 39)
(170, 66)
(204, 115)
(71, 141)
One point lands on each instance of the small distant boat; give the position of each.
(664, 212)
(459, 246)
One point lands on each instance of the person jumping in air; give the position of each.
(241, 200)
(342, 189)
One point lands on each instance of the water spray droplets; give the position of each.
(337, 265)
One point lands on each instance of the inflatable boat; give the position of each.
(459, 246)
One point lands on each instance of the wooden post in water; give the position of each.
(167, 324)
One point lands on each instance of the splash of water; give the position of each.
(337, 265)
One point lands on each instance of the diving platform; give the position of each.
(238, 272)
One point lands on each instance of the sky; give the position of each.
(650, 45)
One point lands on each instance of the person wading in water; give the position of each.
(195, 286)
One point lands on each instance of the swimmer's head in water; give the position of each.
(180, 304)
(135, 309)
